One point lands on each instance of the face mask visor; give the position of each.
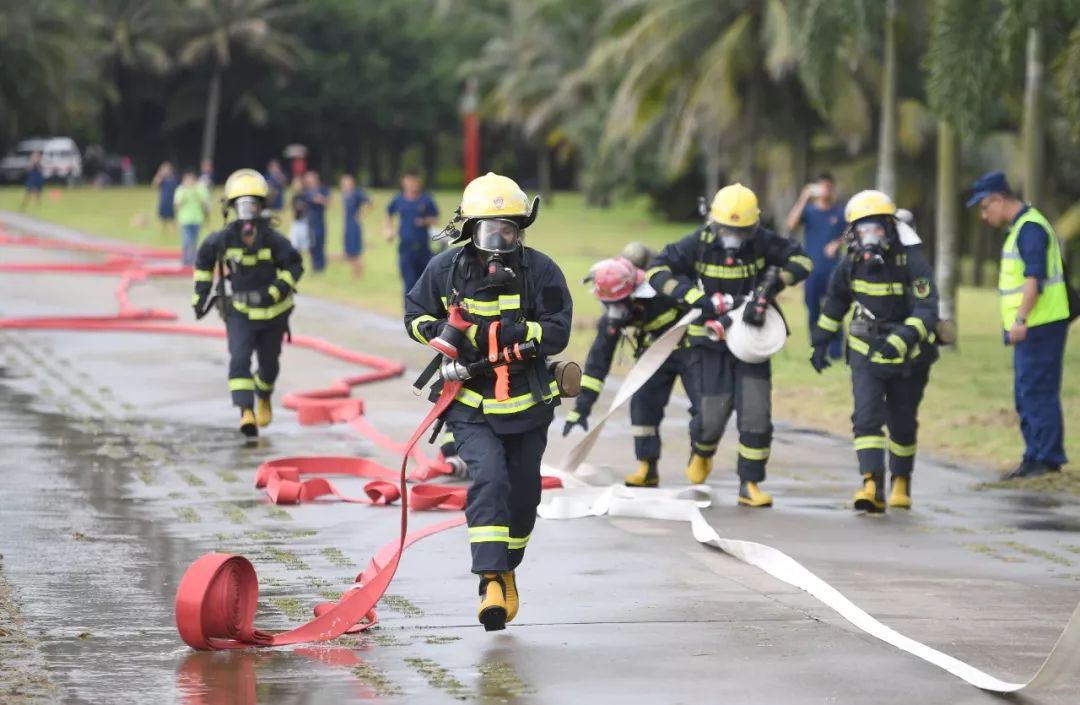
(870, 234)
(732, 238)
(496, 236)
(248, 208)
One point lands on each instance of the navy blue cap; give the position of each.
(987, 184)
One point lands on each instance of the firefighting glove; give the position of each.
(892, 348)
(715, 306)
(575, 418)
(820, 358)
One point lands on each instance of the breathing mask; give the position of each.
(617, 312)
(248, 212)
(870, 241)
(497, 239)
(732, 239)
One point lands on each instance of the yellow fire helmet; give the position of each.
(735, 206)
(494, 196)
(868, 203)
(245, 182)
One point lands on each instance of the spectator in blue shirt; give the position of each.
(416, 212)
(166, 182)
(356, 203)
(35, 181)
(276, 180)
(823, 220)
(317, 198)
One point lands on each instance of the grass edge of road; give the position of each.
(23, 677)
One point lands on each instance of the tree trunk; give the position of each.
(948, 219)
(711, 162)
(1033, 118)
(886, 166)
(543, 172)
(213, 107)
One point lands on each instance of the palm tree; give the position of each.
(962, 63)
(524, 70)
(700, 72)
(839, 65)
(130, 36)
(40, 51)
(218, 29)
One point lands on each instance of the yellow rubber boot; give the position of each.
(698, 470)
(900, 495)
(264, 412)
(492, 612)
(871, 497)
(512, 602)
(644, 476)
(247, 423)
(750, 495)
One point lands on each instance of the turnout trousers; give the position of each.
(263, 338)
(890, 401)
(648, 403)
(505, 491)
(724, 384)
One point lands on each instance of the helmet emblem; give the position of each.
(498, 202)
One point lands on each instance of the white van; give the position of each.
(59, 159)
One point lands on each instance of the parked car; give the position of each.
(60, 159)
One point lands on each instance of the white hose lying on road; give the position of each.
(685, 504)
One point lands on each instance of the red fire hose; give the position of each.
(217, 596)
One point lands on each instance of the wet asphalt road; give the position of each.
(120, 467)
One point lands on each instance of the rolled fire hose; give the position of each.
(754, 344)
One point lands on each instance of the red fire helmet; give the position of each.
(614, 279)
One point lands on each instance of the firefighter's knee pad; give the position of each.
(715, 411)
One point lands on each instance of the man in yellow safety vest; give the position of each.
(1034, 318)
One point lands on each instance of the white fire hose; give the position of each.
(579, 499)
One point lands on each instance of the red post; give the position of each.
(469, 105)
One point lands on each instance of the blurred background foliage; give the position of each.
(613, 98)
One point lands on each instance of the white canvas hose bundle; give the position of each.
(685, 504)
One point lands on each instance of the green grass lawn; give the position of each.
(968, 408)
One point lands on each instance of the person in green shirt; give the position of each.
(192, 203)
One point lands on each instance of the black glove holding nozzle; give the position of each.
(452, 334)
(763, 296)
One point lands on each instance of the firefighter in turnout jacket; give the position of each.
(716, 268)
(891, 342)
(258, 270)
(497, 294)
(634, 313)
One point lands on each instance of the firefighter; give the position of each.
(716, 268)
(261, 269)
(634, 313)
(891, 342)
(501, 294)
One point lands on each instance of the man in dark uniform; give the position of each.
(891, 342)
(633, 312)
(715, 268)
(261, 268)
(500, 293)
